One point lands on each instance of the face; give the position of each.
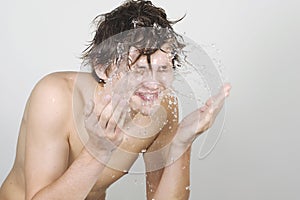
(150, 81)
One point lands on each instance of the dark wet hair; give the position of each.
(135, 23)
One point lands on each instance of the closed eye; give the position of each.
(140, 68)
(165, 68)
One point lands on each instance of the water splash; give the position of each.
(197, 76)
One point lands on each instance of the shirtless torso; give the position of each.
(47, 147)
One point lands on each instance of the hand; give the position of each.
(201, 119)
(101, 122)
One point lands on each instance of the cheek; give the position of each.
(125, 83)
(134, 81)
(167, 79)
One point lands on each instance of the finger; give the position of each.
(114, 120)
(123, 117)
(217, 103)
(118, 136)
(88, 109)
(90, 117)
(100, 106)
(203, 108)
(223, 93)
(107, 112)
(105, 116)
(209, 102)
(218, 100)
(90, 121)
(227, 88)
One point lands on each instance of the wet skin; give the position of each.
(50, 145)
(57, 91)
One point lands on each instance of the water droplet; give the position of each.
(109, 80)
(120, 48)
(172, 159)
(143, 150)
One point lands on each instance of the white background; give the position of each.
(257, 156)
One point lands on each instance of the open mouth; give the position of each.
(147, 96)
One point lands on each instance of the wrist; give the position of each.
(176, 150)
(180, 144)
(100, 156)
(178, 147)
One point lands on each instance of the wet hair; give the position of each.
(135, 23)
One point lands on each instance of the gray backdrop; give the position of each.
(258, 42)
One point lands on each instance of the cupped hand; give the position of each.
(201, 119)
(102, 122)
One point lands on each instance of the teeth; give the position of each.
(148, 96)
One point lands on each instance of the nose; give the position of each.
(152, 80)
(151, 85)
(152, 76)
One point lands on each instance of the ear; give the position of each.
(99, 73)
(166, 47)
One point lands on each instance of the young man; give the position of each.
(83, 131)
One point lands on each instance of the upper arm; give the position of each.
(47, 149)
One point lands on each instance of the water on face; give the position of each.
(197, 77)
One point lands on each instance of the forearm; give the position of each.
(76, 182)
(175, 180)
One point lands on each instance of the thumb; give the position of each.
(88, 108)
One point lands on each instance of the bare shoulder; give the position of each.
(56, 81)
(51, 97)
(59, 86)
(54, 87)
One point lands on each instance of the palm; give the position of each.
(201, 119)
